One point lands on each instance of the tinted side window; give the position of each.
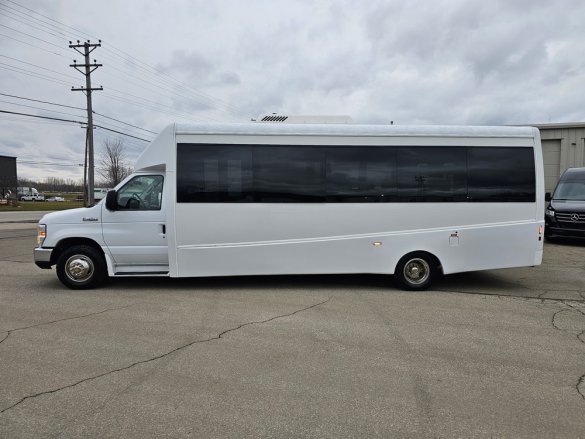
(366, 174)
(214, 173)
(276, 174)
(501, 174)
(288, 174)
(431, 174)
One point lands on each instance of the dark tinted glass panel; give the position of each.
(501, 174)
(214, 173)
(366, 174)
(288, 174)
(277, 174)
(431, 174)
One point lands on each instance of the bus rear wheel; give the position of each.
(416, 271)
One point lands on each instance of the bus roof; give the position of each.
(252, 128)
(156, 155)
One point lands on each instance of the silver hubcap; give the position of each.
(79, 268)
(417, 271)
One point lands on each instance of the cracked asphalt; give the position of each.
(486, 354)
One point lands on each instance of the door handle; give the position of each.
(164, 229)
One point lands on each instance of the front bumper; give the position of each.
(551, 231)
(43, 257)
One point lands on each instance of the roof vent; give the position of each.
(274, 118)
(302, 119)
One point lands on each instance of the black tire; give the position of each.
(416, 271)
(81, 267)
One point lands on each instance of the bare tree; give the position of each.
(113, 166)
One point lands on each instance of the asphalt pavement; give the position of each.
(488, 354)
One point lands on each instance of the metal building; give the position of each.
(8, 179)
(563, 146)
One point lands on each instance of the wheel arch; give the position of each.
(69, 242)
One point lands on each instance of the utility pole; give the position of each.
(88, 47)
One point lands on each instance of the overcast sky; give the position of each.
(412, 62)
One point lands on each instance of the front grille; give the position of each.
(576, 220)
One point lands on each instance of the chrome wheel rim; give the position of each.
(416, 271)
(79, 268)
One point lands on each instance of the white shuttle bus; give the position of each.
(262, 199)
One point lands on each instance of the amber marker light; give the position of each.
(41, 234)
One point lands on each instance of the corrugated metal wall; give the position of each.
(563, 147)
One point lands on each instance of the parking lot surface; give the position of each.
(486, 354)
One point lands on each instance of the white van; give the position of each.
(250, 199)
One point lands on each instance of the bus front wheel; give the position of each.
(81, 267)
(416, 271)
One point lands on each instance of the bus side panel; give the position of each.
(241, 239)
(478, 248)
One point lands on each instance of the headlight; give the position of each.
(41, 234)
(550, 212)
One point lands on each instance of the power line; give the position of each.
(173, 83)
(29, 35)
(125, 123)
(3, 12)
(73, 121)
(152, 107)
(69, 106)
(44, 16)
(38, 67)
(31, 73)
(120, 132)
(20, 14)
(32, 45)
(27, 120)
(43, 102)
(42, 117)
(38, 108)
(168, 80)
(34, 162)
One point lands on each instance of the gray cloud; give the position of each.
(443, 62)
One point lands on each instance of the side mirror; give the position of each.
(547, 196)
(112, 200)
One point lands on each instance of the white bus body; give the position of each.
(222, 200)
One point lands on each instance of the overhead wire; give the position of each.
(44, 102)
(19, 13)
(145, 77)
(31, 73)
(73, 121)
(117, 121)
(168, 80)
(174, 83)
(33, 162)
(39, 67)
(31, 36)
(32, 45)
(108, 95)
(4, 12)
(125, 123)
(38, 108)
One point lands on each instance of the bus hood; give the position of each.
(74, 216)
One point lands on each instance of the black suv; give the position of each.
(565, 213)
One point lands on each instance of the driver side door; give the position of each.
(135, 232)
